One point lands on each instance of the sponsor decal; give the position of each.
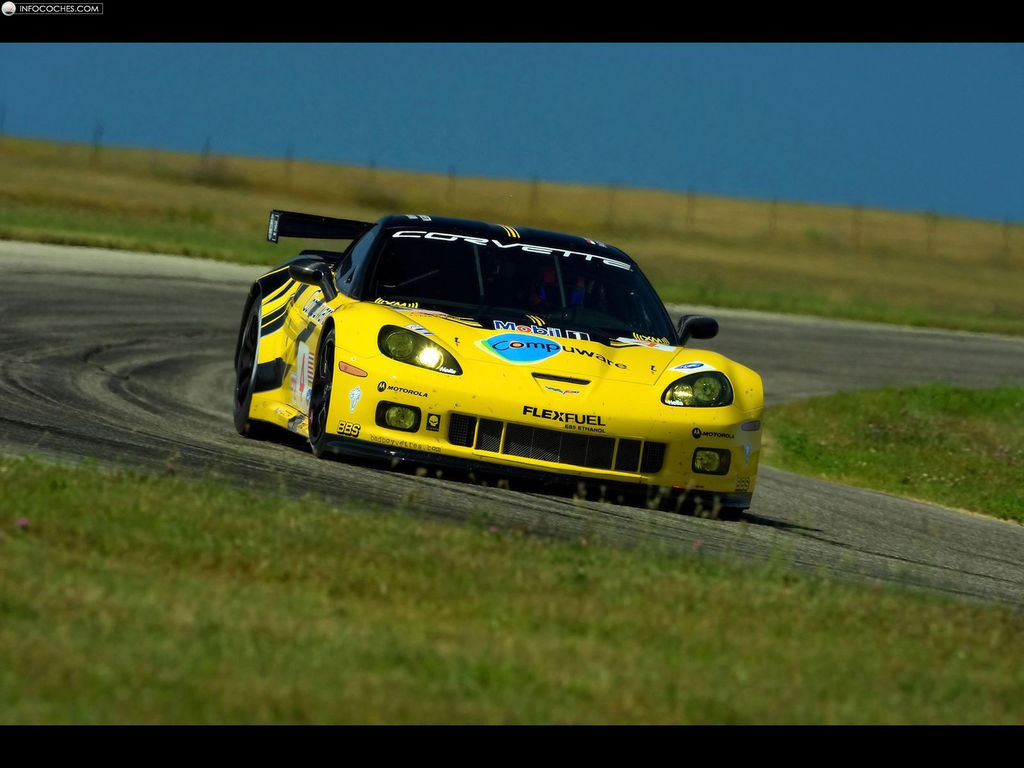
(541, 249)
(595, 242)
(354, 395)
(562, 391)
(399, 304)
(351, 370)
(301, 378)
(564, 417)
(417, 217)
(519, 348)
(433, 422)
(316, 310)
(349, 428)
(501, 325)
(528, 349)
(694, 366)
(650, 339)
(419, 329)
(649, 343)
(392, 442)
(595, 355)
(698, 434)
(510, 231)
(383, 386)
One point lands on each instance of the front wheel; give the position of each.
(245, 372)
(320, 396)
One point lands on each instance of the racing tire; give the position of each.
(246, 367)
(320, 396)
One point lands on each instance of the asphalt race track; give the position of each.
(127, 358)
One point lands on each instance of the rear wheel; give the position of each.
(320, 397)
(245, 373)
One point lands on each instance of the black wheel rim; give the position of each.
(246, 371)
(320, 398)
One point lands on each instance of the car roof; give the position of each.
(472, 228)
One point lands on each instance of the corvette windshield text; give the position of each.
(541, 249)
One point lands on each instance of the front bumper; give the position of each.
(500, 421)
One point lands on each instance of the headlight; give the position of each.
(699, 390)
(410, 347)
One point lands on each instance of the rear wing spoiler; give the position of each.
(289, 224)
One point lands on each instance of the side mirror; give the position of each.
(696, 327)
(314, 272)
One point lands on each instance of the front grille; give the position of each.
(570, 448)
(489, 435)
(653, 458)
(559, 447)
(460, 429)
(628, 456)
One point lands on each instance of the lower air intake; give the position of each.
(461, 429)
(559, 447)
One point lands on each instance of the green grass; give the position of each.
(962, 448)
(137, 599)
(862, 264)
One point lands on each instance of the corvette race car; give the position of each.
(512, 351)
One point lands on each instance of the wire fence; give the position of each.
(613, 208)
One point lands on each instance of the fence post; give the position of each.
(451, 186)
(97, 141)
(929, 219)
(858, 213)
(610, 219)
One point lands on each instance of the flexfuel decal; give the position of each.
(588, 422)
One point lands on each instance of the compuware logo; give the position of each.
(8, 9)
(520, 348)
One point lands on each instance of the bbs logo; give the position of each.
(348, 429)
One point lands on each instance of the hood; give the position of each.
(561, 353)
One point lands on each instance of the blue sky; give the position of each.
(920, 127)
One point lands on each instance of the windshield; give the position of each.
(480, 277)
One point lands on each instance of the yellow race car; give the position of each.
(511, 351)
